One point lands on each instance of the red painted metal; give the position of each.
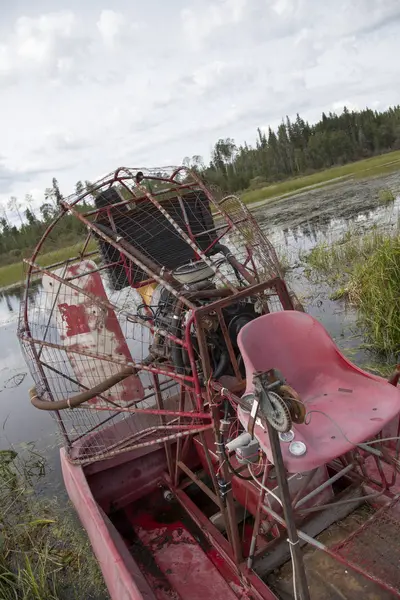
(84, 326)
(130, 438)
(343, 403)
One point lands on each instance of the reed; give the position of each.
(44, 553)
(366, 269)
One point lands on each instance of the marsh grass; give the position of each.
(366, 270)
(369, 167)
(15, 272)
(386, 197)
(44, 553)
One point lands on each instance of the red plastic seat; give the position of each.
(356, 404)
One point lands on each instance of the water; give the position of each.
(295, 225)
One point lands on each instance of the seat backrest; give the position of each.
(292, 342)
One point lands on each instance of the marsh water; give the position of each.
(295, 225)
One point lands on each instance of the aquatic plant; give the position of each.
(374, 287)
(366, 270)
(386, 196)
(44, 553)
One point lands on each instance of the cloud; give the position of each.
(85, 88)
(110, 25)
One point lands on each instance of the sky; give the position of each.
(86, 87)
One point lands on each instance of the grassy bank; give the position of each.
(44, 553)
(366, 270)
(14, 273)
(377, 165)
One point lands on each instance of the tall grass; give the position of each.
(44, 554)
(367, 269)
(374, 288)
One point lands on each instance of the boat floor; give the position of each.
(172, 553)
(372, 544)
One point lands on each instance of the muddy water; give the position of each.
(294, 225)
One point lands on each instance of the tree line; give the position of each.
(298, 148)
(295, 148)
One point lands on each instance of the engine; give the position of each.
(171, 315)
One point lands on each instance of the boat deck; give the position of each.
(174, 556)
(368, 539)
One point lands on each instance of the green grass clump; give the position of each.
(366, 270)
(337, 261)
(386, 197)
(374, 288)
(44, 553)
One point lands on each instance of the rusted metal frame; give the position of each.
(296, 553)
(187, 223)
(26, 334)
(321, 507)
(105, 304)
(136, 445)
(114, 360)
(76, 382)
(228, 343)
(213, 535)
(199, 483)
(283, 293)
(257, 588)
(303, 486)
(213, 230)
(218, 206)
(229, 514)
(127, 268)
(257, 518)
(160, 406)
(377, 460)
(85, 244)
(334, 554)
(252, 290)
(61, 263)
(298, 502)
(101, 268)
(187, 239)
(134, 259)
(57, 414)
(182, 398)
(204, 357)
(115, 414)
(207, 294)
(52, 310)
(192, 360)
(155, 411)
(214, 242)
(250, 217)
(134, 199)
(366, 523)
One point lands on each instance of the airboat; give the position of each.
(216, 442)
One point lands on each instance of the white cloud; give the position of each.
(84, 89)
(110, 26)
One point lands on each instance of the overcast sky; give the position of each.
(89, 86)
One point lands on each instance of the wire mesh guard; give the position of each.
(155, 246)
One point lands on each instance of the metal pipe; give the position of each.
(306, 511)
(258, 517)
(293, 538)
(324, 485)
(85, 396)
(114, 360)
